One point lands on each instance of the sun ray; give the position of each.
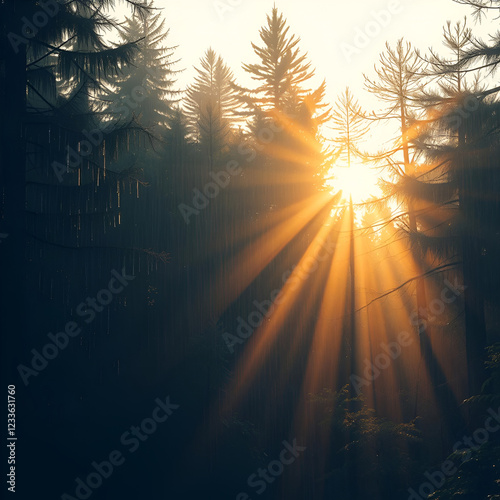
(249, 263)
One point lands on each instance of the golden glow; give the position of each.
(350, 291)
(359, 181)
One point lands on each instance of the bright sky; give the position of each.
(343, 39)
(327, 28)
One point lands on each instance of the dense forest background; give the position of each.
(199, 244)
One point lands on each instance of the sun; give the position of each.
(359, 182)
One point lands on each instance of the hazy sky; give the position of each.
(327, 29)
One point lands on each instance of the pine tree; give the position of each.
(48, 75)
(350, 126)
(399, 84)
(147, 87)
(292, 159)
(460, 144)
(211, 105)
(282, 71)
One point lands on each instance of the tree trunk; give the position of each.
(475, 323)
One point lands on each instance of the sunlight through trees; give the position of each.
(313, 278)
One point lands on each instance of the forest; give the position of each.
(243, 288)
